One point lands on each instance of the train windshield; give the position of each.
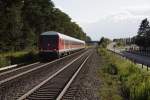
(49, 42)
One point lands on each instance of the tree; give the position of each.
(104, 42)
(143, 37)
(10, 24)
(36, 16)
(143, 27)
(22, 21)
(88, 38)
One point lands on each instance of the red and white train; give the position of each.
(54, 44)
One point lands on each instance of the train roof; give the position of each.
(62, 36)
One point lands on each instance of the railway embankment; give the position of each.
(122, 79)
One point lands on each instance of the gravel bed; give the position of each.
(16, 71)
(87, 85)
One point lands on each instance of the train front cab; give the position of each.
(48, 46)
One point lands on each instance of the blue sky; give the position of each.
(108, 18)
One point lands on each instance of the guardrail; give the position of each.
(135, 61)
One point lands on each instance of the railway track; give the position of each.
(12, 82)
(55, 86)
(7, 74)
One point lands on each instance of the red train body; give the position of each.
(56, 44)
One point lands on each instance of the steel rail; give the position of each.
(16, 69)
(48, 79)
(26, 66)
(7, 80)
(60, 96)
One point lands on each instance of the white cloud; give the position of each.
(109, 18)
(123, 23)
(126, 15)
(138, 10)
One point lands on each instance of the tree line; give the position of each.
(142, 39)
(22, 21)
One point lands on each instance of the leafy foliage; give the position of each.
(143, 37)
(10, 23)
(21, 22)
(88, 38)
(104, 42)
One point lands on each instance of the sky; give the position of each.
(108, 18)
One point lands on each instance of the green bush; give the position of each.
(111, 69)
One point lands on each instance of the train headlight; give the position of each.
(54, 49)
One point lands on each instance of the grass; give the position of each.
(20, 57)
(4, 61)
(110, 86)
(13, 53)
(132, 82)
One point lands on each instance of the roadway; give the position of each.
(134, 57)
